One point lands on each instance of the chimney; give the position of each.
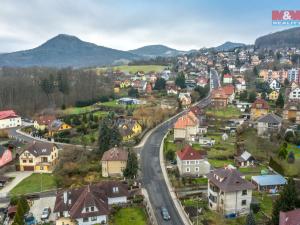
(65, 197)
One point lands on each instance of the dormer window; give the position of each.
(87, 209)
(92, 209)
(115, 189)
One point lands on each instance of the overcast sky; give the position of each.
(128, 24)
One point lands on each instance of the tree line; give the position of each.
(30, 90)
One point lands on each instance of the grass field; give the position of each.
(229, 112)
(35, 183)
(78, 110)
(135, 69)
(130, 216)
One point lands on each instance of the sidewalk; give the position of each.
(176, 202)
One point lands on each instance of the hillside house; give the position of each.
(259, 108)
(268, 124)
(114, 162)
(9, 119)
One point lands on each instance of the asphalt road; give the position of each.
(152, 177)
(215, 78)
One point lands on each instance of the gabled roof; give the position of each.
(45, 120)
(219, 94)
(270, 118)
(188, 119)
(229, 180)
(40, 148)
(228, 89)
(188, 153)
(75, 200)
(2, 150)
(245, 156)
(7, 114)
(115, 154)
(227, 75)
(260, 104)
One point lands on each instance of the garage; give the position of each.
(28, 168)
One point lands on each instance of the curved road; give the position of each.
(152, 177)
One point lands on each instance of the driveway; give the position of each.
(18, 177)
(40, 204)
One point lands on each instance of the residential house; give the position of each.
(202, 81)
(294, 75)
(275, 85)
(240, 85)
(270, 183)
(57, 126)
(294, 95)
(114, 162)
(128, 101)
(244, 160)
(219, 98)
(227, 79)
(90, 204)
(291, 111)
(5, 156)
(43, 122)
(273, 95)
(269, 75)
(191, 162)
(229, 193)
(294, 85)
(268, 124)
(172, 90)
(259, 108)
(186, 127)
(39, 157)
(206, 141)
(128, 128)
(9, 119)
(229, 91)
(185, 99)
(290, 217)
(255, 60)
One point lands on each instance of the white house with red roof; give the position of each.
(227, 78)
(191, 162)
(9, 119)
(229, 91)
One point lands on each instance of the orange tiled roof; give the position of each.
(186, 120)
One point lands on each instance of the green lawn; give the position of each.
(35, 183)
(253, 170)
(220, 163)
(130, 216)
(229, 112)
(266, 201)
(78, 110)
(135, 69)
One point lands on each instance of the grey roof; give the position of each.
(40, 148)
(229, 180)
(245, 156)
(270, 118)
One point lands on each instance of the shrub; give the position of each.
(255, 207)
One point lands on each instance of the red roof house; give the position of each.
(7, 114)
(188, 153)
(186, 127)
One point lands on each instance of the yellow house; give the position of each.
(125, 84)
(39, 157)
(116, 90)
(57, 126)
(114, 162)
(65, 221)
(259, 108)
(42, 122)
(129, 128)
(273, 95)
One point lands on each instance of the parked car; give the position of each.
(165, 213)
(46, 213)
(29, 219)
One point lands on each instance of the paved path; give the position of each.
(152, 175)
(18, 177)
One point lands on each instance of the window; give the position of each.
(187, 169)
(30, 161)
(92, 209)
(244, 202)
(24, 161)
(85, 219)
(244, 192)
(94, 218)
(196, 169)
(87, 209)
